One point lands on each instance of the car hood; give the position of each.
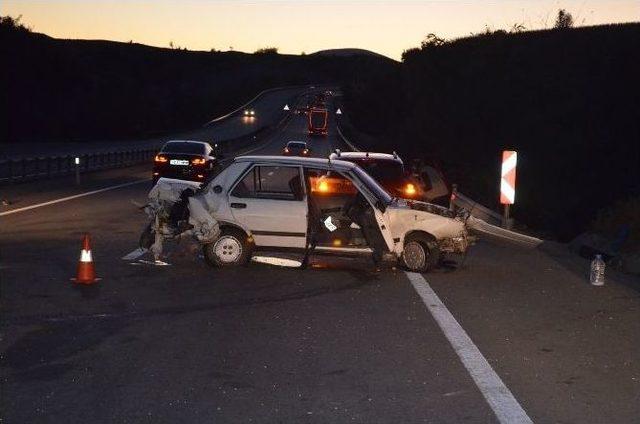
(424, 207)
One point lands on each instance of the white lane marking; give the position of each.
(64, 199)
(497, 394)
(134, 254)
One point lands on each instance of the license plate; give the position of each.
(180, 162)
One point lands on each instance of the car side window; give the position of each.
(270, 182)
(328, 183)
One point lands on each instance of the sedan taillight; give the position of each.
(160, 158)
(198, 161)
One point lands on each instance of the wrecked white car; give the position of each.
(305, 204)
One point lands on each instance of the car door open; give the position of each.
(269, 202)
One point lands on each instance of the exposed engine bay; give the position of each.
(175, 212)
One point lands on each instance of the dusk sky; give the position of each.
(385, 27)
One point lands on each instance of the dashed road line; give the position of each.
(76, 196)
(498, 396)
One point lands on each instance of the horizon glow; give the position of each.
(294, 27)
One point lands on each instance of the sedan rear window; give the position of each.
(297, 145)
(183, 147)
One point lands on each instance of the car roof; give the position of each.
(296, 141)
(338, 165)
(364, 155)
(187, 141)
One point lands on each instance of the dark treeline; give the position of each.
(57, 89)
(568, 100)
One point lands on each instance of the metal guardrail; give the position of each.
(476, 209)
(346, 140)
(17, 170)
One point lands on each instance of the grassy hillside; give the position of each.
(567, 100)
(76, 89)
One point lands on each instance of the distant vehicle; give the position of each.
(249, 113)
(318, 120)
(388, 170)
(184, 160)
(275, 202)
(296, 148)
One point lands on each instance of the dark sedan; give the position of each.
(184, 160)
(296, 148)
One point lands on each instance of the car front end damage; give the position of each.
(448, 228)
(176, 210)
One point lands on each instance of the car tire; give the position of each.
(420, 253)
(231, 249)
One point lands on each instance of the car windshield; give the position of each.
(297, 145)
(183, 147)
(382, 169)
(373, 186)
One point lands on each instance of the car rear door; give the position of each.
(269, 201)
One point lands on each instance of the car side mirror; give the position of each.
(217, 189)
(381, 206)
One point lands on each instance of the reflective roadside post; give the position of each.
(508, 184)
(77, 161)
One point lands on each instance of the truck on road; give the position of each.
(318, 120)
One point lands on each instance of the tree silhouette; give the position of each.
(9, 24)
(267, 50)
(563, 20)
(432, 40)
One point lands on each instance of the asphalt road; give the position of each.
(339, 342)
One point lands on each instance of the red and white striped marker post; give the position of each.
(508, 183)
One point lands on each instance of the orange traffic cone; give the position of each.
(86, 272)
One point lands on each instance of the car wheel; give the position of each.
(230, 249)
(420, 253)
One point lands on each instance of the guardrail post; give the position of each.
(507, 222)
(452, 199)
(77, 163)
(10, 170)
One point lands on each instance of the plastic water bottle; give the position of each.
(597, 271)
